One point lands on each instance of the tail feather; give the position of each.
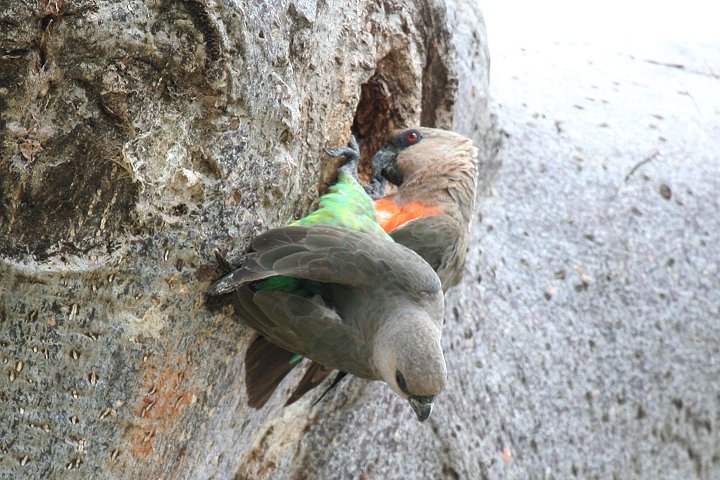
(313, 377)
(266, 365)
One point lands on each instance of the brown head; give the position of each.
(431, 165)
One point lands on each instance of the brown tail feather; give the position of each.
(266, 365)
(313, 377)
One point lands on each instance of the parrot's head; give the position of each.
(422, 151)
(409, 358)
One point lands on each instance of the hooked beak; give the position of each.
(383, 166)
(423, 406)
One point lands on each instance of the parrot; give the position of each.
(435, 172)
(436, 175)
(335, 288)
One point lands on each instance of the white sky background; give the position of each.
(685, 32)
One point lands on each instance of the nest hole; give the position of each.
(389, 100)
(400, 95)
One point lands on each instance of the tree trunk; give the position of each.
(138, 137)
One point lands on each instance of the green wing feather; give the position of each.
(346, 205)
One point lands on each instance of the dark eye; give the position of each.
(412, 136)
(401, 382)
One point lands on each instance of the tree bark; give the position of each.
(138, 137)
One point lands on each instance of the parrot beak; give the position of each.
(423, 406)
(383, 165)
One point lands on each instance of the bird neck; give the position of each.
(453, 192)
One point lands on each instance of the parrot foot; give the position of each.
(352, 157)
(376, 188)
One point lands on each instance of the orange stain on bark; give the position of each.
(164, 397)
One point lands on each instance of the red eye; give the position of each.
(412, 137)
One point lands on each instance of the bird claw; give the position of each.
(351, 154)
(352, 150)
(376, 188)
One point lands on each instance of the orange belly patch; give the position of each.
(390, 215)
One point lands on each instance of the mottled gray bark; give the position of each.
(138, 137)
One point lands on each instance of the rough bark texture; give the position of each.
(138, 137)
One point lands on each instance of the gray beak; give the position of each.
(383, 166)
(378, 183)
(423, 406)
(380, 160)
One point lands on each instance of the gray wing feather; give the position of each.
(439, 240)
(308, 327)
(329, 255)
(347, 257)
(248, 272)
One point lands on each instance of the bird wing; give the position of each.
(439, 240)
(306, 326)
(248, 272)
(329, 254)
